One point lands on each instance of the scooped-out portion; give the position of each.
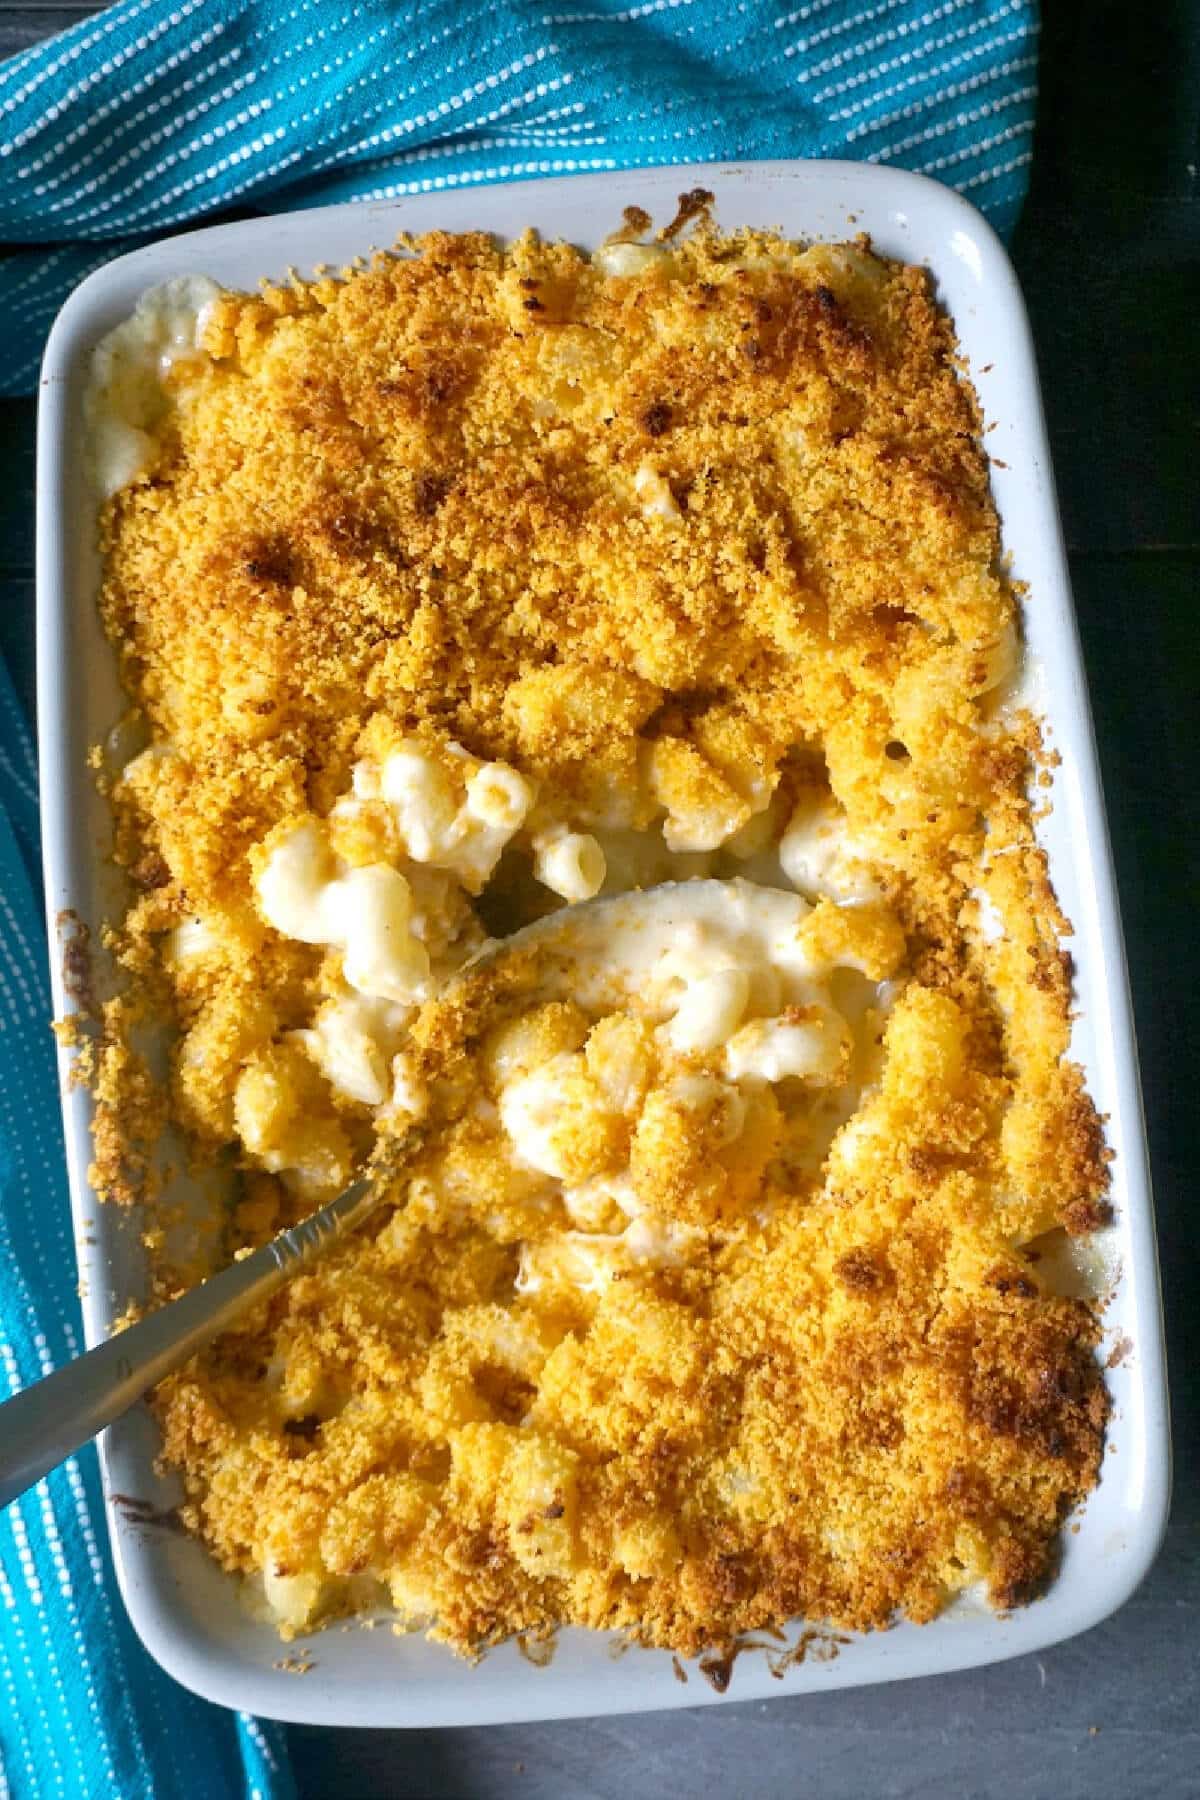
(654, 600)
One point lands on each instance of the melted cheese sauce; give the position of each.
(128, 394)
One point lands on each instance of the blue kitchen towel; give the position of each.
(160, 112)
(85, 1714)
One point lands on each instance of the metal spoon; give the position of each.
(598, 949)
(43, 1424)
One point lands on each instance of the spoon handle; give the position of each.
(44, 1423)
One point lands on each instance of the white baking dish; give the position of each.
(188, 1613)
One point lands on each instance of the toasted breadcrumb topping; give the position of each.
(694, 541)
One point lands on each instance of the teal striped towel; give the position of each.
(160, 112)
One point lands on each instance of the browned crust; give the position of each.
(362, 511)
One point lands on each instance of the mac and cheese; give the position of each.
(452, 592)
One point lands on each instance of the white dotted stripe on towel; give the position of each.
(989, 110)
(917, 59)
(8, 1600)
(148, 142)
(1023, 129)
(118, 61)
(921, 74)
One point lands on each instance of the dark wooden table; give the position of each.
(1109, 253)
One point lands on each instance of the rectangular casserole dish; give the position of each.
(187, 1612)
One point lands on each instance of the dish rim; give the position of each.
(158, 1580)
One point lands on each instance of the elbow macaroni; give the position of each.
(703, 810)
(621, 261)
(569, 863)
(366, 913)
(654, 492)
(710, 1010)
(456, 813)
(819, 857)
(353, 1040)
(813, 1047)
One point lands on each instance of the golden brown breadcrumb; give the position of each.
(714, 530)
